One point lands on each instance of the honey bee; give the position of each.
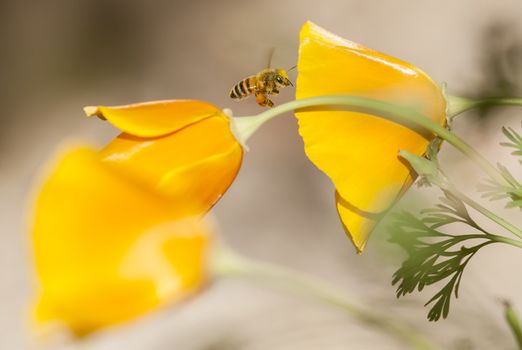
(265, 83)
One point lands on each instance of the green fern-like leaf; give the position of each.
(433, 255)
(514, 141)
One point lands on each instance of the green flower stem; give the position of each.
(513, 322)
(247, 126)
(229, 264)
(506, 240)
(430, 170)
(489, 214)
(458, 105)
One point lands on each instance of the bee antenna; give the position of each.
(294, 67)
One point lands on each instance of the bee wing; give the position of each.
(270, 56)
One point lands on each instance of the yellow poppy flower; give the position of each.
(359, 152)
(108, 249)
(167, 143)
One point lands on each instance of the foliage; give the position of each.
(433, 255)
(511, 189)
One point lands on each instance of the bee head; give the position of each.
(282, 77)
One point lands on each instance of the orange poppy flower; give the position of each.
(119, 232)
(166, 143)
(107, 249)
(359, 152)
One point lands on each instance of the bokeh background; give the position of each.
(59, 55)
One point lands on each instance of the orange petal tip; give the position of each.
(91, 111)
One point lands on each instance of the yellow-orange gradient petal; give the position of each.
(156, 118)
(107, 249)
(359, 152)
(199, 161)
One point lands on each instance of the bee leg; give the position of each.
(275, 91)
(263, 101)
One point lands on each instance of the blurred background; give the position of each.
(58, 56)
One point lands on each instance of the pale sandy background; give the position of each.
(57, 56)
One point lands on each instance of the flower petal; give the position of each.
(108, 249)
(200, 160)
(359, 152)
(157, 118)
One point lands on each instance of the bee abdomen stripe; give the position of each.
(245, 86)
(237, 91)
(241, 86)
(233, 92)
